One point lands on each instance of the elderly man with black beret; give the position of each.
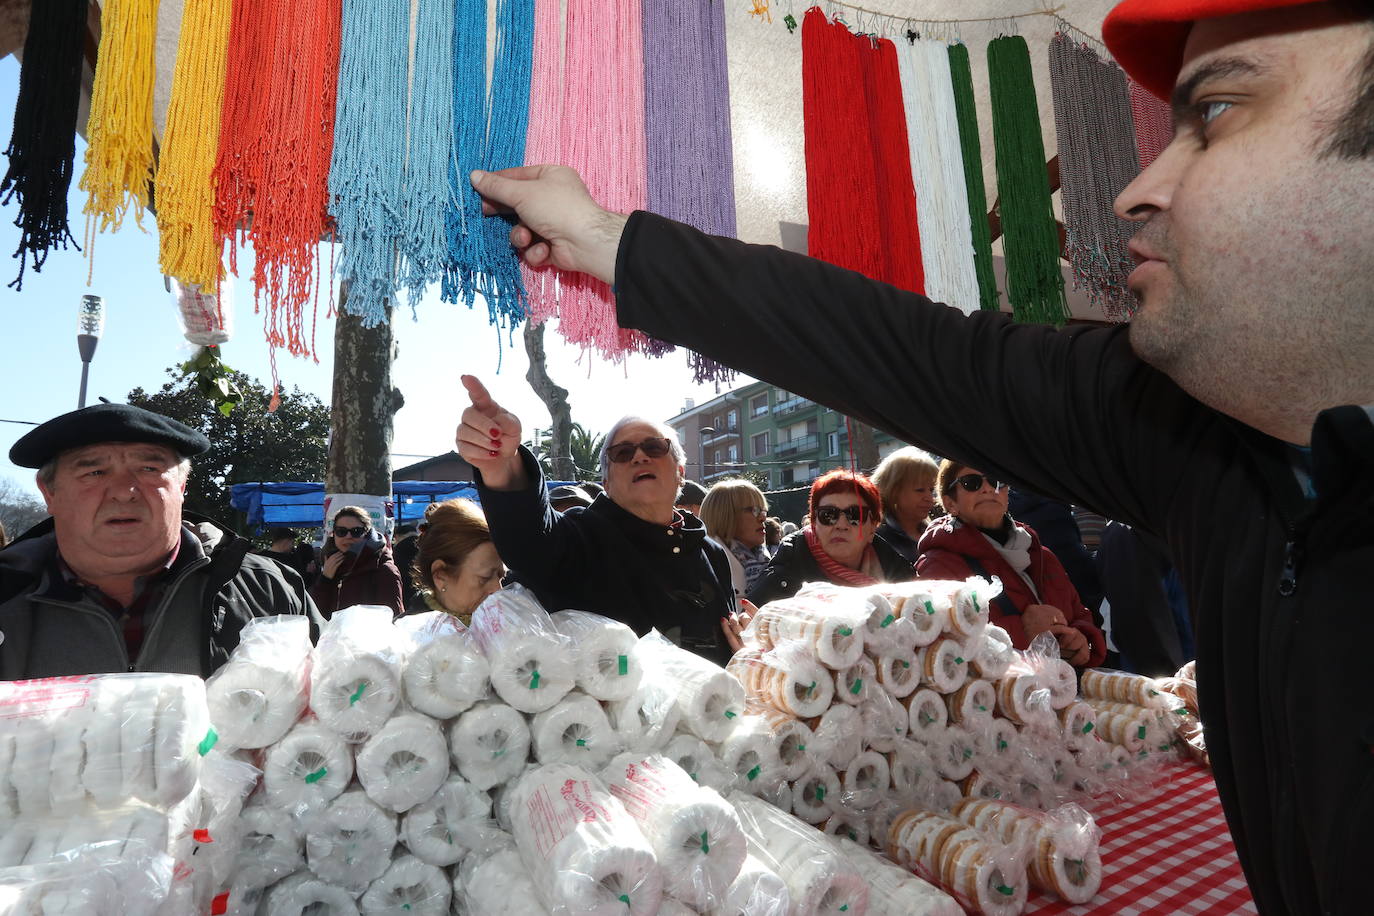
(117, 580)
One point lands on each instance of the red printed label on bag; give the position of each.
(25, 699)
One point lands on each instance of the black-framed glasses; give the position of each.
(974, 482)
(653, 447)
(357, 532)
(829, 515)
(756, 511)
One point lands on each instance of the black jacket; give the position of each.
(216, 585)
(794, 564)
(605, 560)
(1278, 584)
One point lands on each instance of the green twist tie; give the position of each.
(976, 608)
(906, 664)
(312, 778)
(958, 660)
(801, 747)
(1087, 727)
(1005, 891)
(534, 680)
(694, 777)
(625, 899)
(1001, 744)
(498, 753)
(930, 608)
(887, 621)
(754, 773)
(705, 846)
(357, 694)
(811, 688)
(211, 737)
(820, 793)
(968, 752)
(844, 908)
(845, 631)
(405, 906)
(982, 709)
(858, 686)
(853, 836)
(581, 742)
(1140, 733)
(624, 664)
(730, 714)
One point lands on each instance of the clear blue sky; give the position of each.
(40, 370)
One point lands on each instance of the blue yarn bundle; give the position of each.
(429, 196)
(367, 167)
(489, 133)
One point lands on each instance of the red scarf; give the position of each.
(836, 571)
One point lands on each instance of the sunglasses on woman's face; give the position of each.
(756, 511)
(350, 532)
(974, 482)
(829, 515)
(653, 447)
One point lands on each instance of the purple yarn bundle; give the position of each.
(687, 127)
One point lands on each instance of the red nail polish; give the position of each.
(493, 453)
(496, 443)
(495, 431)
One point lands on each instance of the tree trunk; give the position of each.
(555, 399)
(865, 448)
(363, 406)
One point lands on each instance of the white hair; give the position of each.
(663, 429)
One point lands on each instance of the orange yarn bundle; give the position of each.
(276, 140)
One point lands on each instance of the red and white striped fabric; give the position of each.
(1168, 855)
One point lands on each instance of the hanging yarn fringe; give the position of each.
(119, 129)
(428, 196)
(368, 163)
(971, 150)
(543, 139)
(937, 171)
(1154, 123)
(276, 141)
(861, 207)
(1097, 159)
(687, 127)
(1030, 237)
(42, 144)
(187, 246)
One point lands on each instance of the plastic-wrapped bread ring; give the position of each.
(409, 885)
(445, 672)
(975, 700)
(305, 893)
(865, 781)
(954, 755)
(926, 712)
(574, 730)
(1058, 675)
(791, 737)
(646, 720)
(404, 763)
(455, 821)
(698, 761)
(355, 679)
(968, 611)
(816, 795)
(757, 891)
(853, 683)
(608, 666)
(1120, 687)
(897, 674)
(489, 744)
(307, 768)
(944, 666)
(995, 655)
(350, 842)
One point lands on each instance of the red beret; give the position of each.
(1147, 36)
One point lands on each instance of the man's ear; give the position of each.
(46, 491)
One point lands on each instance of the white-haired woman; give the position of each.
(630, 555)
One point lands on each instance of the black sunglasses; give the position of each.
(622, 452)
(829, 515)
(974, 482)
(349, 532)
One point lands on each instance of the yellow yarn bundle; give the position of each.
(119, 133)
(185, 192)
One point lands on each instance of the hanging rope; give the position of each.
(368, 163)
(687, 127)
(276, 141)
(43, 141)
(1030, 238)
(187, 245)
(1097, 159)
(860, 200)
(119, 129)
(428, 196)
(1154, 123)
(961, 79)
(543, 140)
(937, 171)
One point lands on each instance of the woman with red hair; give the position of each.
(837, 546)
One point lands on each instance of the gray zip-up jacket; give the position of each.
(49, 628)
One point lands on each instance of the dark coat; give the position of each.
(603, 559)
(794, 565)
(370, 579)
(215, 586)
(1278, 580)
(948, 549)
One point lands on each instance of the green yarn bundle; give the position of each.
(1030, 237)
(971, 147)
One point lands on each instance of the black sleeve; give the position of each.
(531, 538)
(1073, 413)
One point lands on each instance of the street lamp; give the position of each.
(703, 434)
(90, 323)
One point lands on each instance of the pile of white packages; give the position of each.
(110, 793)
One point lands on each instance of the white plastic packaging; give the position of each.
(444, 671)
(699, 762)
(455, 821)
(834, 631)
(404, 763)
(257, 696)
(489, 744)
(608, 666)
(708, 698)
(532, 664)
(408, 885)
(355, 678)
(349, 843)
(575, 731)
(894, 891)
(787, 677)
(307, 768)
(304, 892)
(751, 752)
(756, 891)
(495, 882)
(646, 720)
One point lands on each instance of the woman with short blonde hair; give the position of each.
(734, 512)
(906, 482)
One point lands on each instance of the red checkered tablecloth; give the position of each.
(1169, 855)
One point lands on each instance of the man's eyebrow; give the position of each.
(1182, 97)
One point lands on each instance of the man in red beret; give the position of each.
(1232, 417)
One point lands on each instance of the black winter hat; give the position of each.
(105, 423)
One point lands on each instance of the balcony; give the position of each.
(792, 405)
(719, 435)
(789, 447)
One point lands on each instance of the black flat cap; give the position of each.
(105, 423)
(692, 493)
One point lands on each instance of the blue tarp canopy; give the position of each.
(301, 505)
